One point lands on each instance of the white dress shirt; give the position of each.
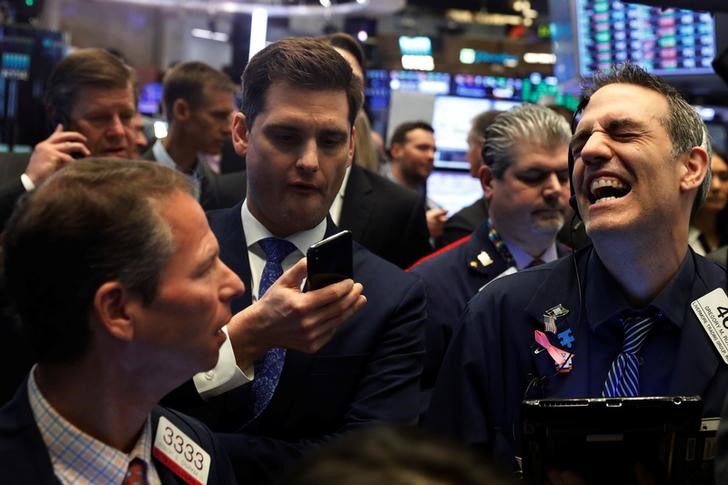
(227, 375)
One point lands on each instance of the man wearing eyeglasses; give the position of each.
(526, 183)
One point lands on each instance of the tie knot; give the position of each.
(637, 326)
(276, 249)
(535, 262)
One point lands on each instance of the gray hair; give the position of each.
(529, 123)
(682, 123)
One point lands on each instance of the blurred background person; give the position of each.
(395, 455)
(467, 219)
(709, 224)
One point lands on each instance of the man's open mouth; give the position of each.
(607, 188)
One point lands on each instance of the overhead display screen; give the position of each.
(664, 41)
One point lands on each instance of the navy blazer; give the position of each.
(492, 363)
(368, 373)
(24, 458)
(464, 222)
(452, 276)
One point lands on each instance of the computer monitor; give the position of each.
(605, 440)
(677, 44)
(150, 99)
(451, 120)
(666, 41)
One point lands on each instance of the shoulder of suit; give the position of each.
(385, 185)
(443, 254)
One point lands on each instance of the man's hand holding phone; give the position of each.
(289, 318)
(54, 153)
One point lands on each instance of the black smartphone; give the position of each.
(329, 261)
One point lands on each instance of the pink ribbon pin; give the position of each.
(562, 359)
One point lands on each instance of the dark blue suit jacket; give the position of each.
(368, 373)
(452, 276)
(25, 460)
(491, 362)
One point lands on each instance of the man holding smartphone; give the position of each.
(300, 99)
(90, 101)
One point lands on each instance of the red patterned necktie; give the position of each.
(137, 473)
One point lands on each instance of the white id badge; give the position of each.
(712, 311)
(180, 454)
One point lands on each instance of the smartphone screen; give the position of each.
(329, 261)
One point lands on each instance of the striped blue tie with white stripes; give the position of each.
(623, 378)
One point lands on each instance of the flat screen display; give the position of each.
(150, 98)
(664, 41)
(451, 120)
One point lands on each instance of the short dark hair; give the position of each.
(482, 121)
(84, 68)
(94, 221)
(399, 135)
(683, 124)
(348, 43)
(303, 62)
(188, 81)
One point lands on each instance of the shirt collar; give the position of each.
(163, 158)
(78, 456)
(602, 287)
(255, 231)
(523, 259)
(338, 203)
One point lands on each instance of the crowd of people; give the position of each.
(155, 313)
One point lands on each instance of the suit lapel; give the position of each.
(697, 360)
(481, 256)
(357, 207)
(17, 420)
(559, 287)
(227, 225)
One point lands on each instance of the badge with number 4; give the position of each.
(712, 311)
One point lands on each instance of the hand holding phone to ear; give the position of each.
(54, 153)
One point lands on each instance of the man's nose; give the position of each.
(308, 158)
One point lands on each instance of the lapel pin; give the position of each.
(551, 315)
(484, 259)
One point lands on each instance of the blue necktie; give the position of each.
(268, 371)
(623, 378)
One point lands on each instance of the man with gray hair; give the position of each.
(623, 318)
(525, 181)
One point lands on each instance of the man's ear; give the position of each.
(113, 308)
(395, 151)
(486, 180)
(694, 169)
(180, 110)
(241, 134)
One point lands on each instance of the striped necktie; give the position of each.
(268, 371)
(623, 378)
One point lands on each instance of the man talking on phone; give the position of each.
(295, 127)
(90, 102)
